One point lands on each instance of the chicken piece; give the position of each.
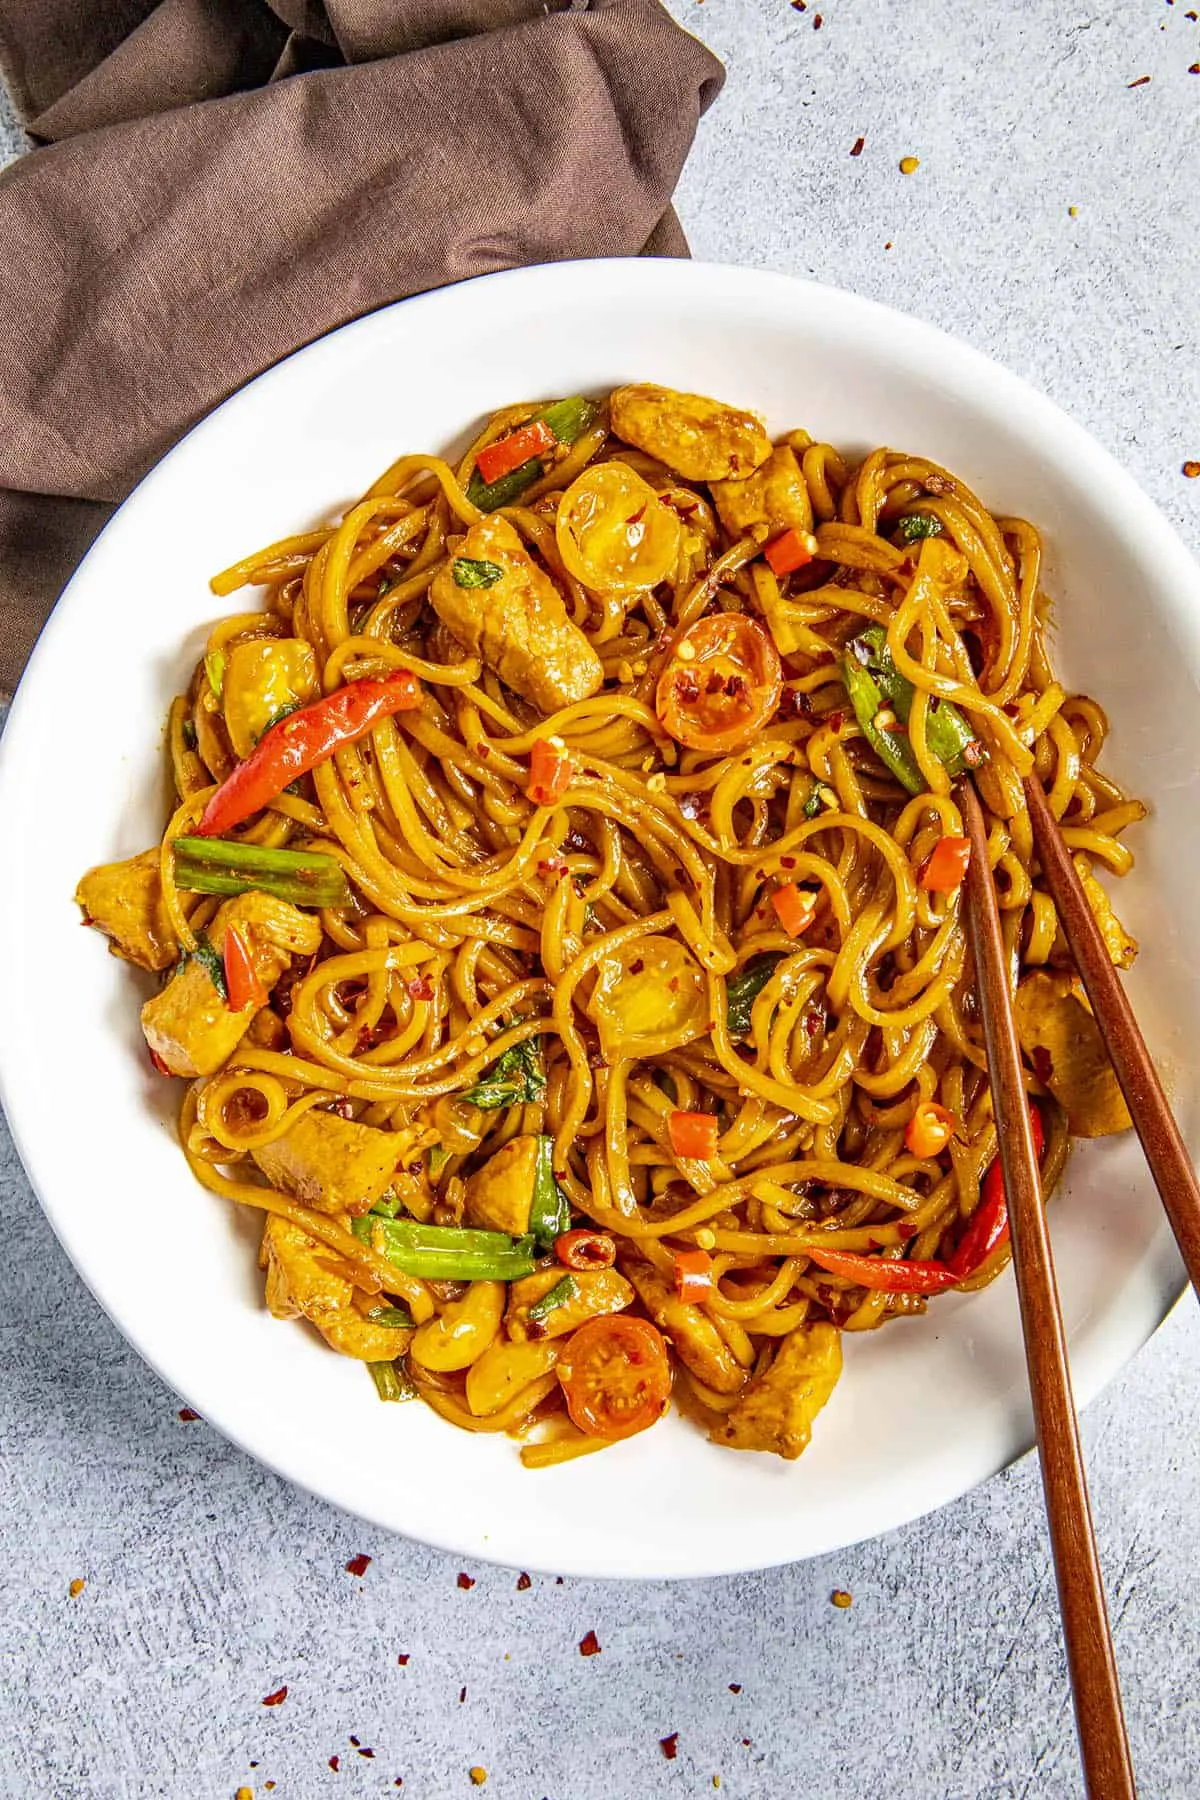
(124, 900)
(303, 1282)
(263, 677)
(696, 1340)
(517, 622)
(1121, 947)
(597, 1291)
(778, 1408)
(700, 439)
(500, 1195)
(771, 500)
(1066, 1052)
(333, 1164)
(189, 1027)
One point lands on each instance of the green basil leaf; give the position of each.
(560, 1294)
(469, 573)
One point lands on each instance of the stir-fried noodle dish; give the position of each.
(560, 921)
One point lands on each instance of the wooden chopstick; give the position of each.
(1104, 1747)
(1153, 1120)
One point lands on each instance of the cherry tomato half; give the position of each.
(721, 685)
(616, 1376)
(614, 533)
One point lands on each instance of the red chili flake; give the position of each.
(836, 720)
(747, 1742)
(366, 1751)
(356, 1742)
(858, 146)
(277, 1698)
(735, 1687)
(558, 1581)
(466, 1582)
(800, 5)
(635, 968)
(269, 1785)
(188, 1414)
(818, 21)
(462, 1694)
(358, 1565)
(589, 1645)
(335, 1763)
(483, 752)
(551, 865)
(670, 1746)
(403, 1659)
(421, 988)
(1192, 469)
(787, 862)
(523, 1582)
(1140, 82)
(158, 1062)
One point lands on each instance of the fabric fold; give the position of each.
(196, 216)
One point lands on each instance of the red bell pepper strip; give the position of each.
(790, 550)
(947, 866)
(987, 1228)
(884, 1274)
(551, 769)
(308, 736)
(241, 977)
(693, 1275)
(508, 453)
(693, 1134)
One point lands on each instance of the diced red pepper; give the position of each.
(930, 1129)
(585, 1249)
(987, 1228)
(693, 1134)
(693, 1275)
(795, 907)
(308, 736)
(551, 770)
(508, 453)
(241, 977)
(790, 550)
(947, 867)
(885, 1274)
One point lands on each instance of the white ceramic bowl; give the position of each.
(926, 1408)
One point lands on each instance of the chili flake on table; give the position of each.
(589, 1644)
(358, 1565)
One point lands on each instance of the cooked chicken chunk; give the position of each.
(516, 621)
(189, 1026)
(303, 1282)
(1066, 1052)
(124, 901)
(596, 1291)
(333, 1164)
(778, 1408)
(771, 500)
(500, 1195)
(699, 438)
(263, 677)
(697, 1342)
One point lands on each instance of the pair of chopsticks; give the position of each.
(1100, 1723)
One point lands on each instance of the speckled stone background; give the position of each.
(210, 1584)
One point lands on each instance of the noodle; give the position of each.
(743, 933)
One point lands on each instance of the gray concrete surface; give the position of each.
(210, 1584)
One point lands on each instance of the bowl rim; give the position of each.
(962, 363)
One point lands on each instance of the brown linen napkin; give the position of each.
(224, 180)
